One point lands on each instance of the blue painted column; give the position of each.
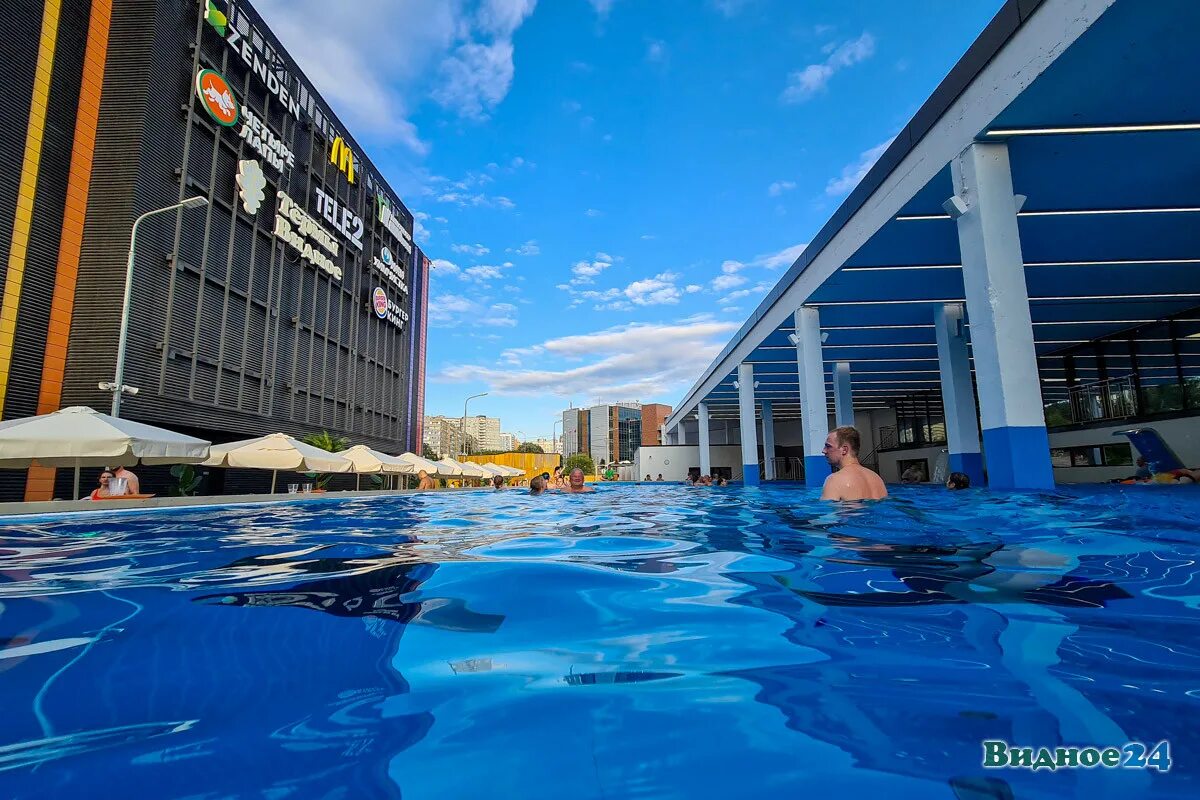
(958, 399)
(705, 460)
(843, 397)
(1010, 399)
(768, 438)
(749, 428)
(814, 408)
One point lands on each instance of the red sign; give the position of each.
(216, 96)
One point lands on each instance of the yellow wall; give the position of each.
(532, 463)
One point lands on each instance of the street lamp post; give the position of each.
(554, 436)
(465, 448)
(117, 386)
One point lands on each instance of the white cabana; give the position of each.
(452, 466)
(276, 451)
(495, 469)
(373, 462)
(474, 470)
(79, 436)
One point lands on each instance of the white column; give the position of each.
(749, 428)
(958, 399)
(843, 397)
(814, 409)
(681, 433)
(705, 460)
(768, 426)
(1014, 422)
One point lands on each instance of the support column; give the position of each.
(749, 428)
(958, 400)
(680, 433)
(1014, 422)
(768, 426)
(814, 409)
(705, 460)
(843, 398)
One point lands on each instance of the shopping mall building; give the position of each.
(294, 300)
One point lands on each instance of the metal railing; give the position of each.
(1115, 398)
(788, 468)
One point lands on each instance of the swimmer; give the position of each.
(577, 484)
(851, 480)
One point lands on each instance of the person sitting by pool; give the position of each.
(537, 485)
(497, 482)
(102, 489)
(425, 483)
(914, 474)
(659, 478)
(647, 476)
(958, 480)
(850, 480)
(577, 484)
(1143, 472)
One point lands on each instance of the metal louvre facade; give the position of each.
(305, 314)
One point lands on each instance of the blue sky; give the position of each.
(609, 187)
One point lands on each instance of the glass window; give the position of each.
(1060, 457)
(1083, 457)
(1117, 455)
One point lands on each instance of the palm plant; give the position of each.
(329, 442)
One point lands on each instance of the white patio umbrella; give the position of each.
(452, 466)
(373, 462)
(471, 469)
(512, 471)
(494, 469)
(276, 451)
(432, 467)
(78, 436)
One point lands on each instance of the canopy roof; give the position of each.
(1104, 141)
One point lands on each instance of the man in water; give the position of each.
(576, 484)
(537, 485)
(426, 482)
(850, 480)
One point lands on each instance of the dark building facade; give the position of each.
(294, 301)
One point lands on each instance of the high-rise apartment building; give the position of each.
(483, 433)
(443, 435)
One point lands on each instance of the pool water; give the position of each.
(650, 641)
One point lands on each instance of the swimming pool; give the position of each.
(650, 641)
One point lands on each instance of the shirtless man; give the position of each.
(426, 482)
(850, 479)
(577, 485)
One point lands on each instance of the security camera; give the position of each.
(794, 339)
(130, 390)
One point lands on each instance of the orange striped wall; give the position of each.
(40, 483)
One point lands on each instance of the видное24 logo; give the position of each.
(1132, 755)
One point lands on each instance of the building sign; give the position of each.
(216, 96)
(342, 157)
(263, 140)
(346, 221)
(294, 226)
(385, 264)
(385, 309)
(392, 223)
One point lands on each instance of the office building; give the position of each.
(293, 300)
(654, 416)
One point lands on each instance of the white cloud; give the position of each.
(856, 171)
(472, 249)
(692, 288)
(638, 360)
(779, 187)
(441, 266)
(500, 315)
(449, 310)
(730, 8)
(477, 200)
(484, 272)
(656, 291)
(530, 248)
(784, 258)
(730, 267)
(805, 83)
(602, 7)
(723, 282)
(656, 51)
(477, 75)
(648, 237)
(585, 271)
(591, 212)
(571, 106)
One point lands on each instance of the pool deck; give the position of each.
(92, 506)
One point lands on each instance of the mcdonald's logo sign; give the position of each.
(342, 157)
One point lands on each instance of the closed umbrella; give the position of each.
(78, 436)
(276, 451)
(373, 462)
